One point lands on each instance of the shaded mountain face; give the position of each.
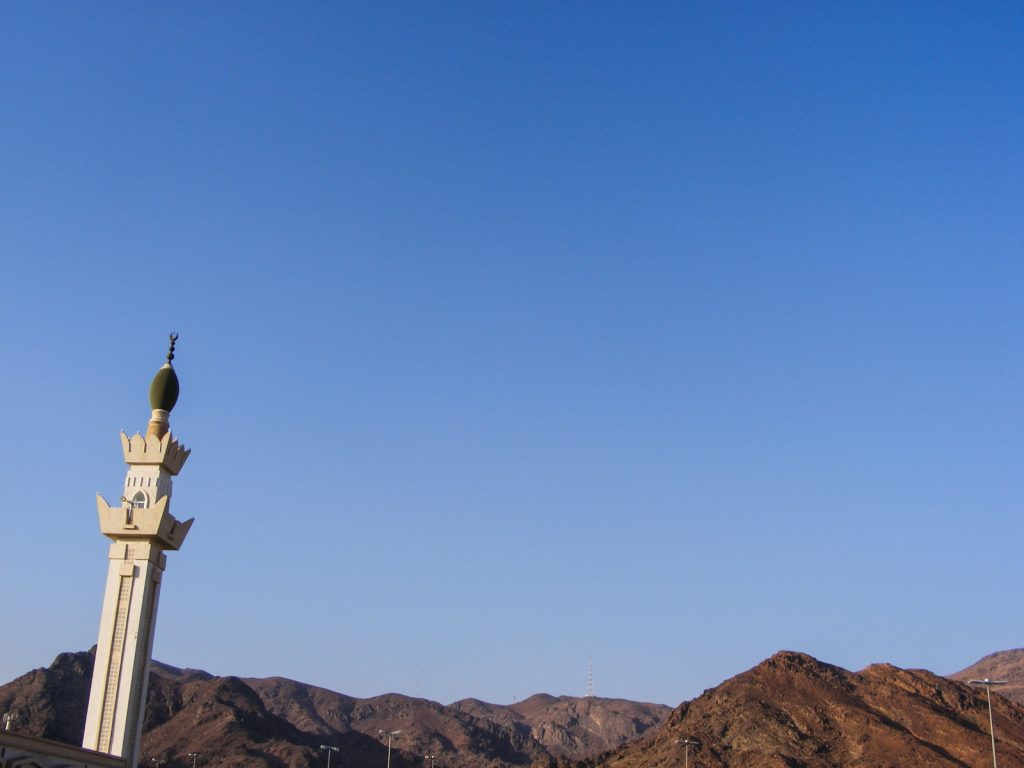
(468, 732)
(792, 711)
(51, 702)
(277, 722)
(1002, 665)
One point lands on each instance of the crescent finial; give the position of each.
(170, 352)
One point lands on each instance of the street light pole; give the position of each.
(390, 735)
(329, 749)
(991, 727)
(686, 749)
(194, 756)
(430, 758)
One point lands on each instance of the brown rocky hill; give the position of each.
(793, 711)
(51, 702)
(277, 722)
(1002, 665)
(572, 727)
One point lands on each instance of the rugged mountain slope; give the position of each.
(51, 702)
(277, 722)
(792, 711)
(574, 727)
(426, 727)
(1002, 665)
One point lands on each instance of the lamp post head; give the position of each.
(986, 681)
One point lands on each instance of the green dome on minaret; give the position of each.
(163, 392)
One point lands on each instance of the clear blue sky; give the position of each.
(514, 334)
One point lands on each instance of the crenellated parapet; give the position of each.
(155, 522)
(159, 451)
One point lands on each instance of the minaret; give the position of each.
(141, 529)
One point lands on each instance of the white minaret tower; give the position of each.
(141, 529)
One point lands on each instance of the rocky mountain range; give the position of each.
(790, 711)
(276, 722)
(793, 711)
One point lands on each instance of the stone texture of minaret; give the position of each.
(141, 529)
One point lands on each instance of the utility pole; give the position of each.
(328, 748)
(988, 692)
(687, 742)
(390, 735)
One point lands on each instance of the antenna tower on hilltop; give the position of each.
(590, 677)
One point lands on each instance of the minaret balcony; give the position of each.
(154, 522)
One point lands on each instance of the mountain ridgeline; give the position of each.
(275, 722)
(793, 711)
(790, 711)
(1002, 665)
